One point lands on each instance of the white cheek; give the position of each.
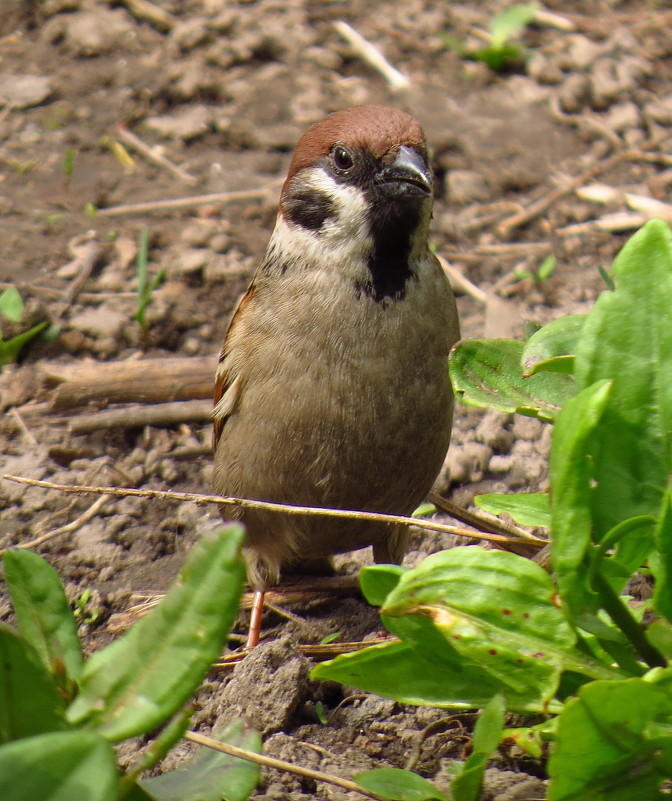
(343, 242)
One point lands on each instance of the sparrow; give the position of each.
(332, 388)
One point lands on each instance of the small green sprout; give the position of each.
(146, 287)
(11, 314)
(321, 713)
(543, 272)
(82, 612)
(330, 638)
(501, 51)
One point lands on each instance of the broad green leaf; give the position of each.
(530, 509)
(399, 671)
(11, 304)
(211, 775)
(659, 633)
(60, 766)
(662, 563)
(553, 346)
(498, 610)
(627, 339)
(29, 699)
(512, 21)
(487, 373)
(466, 786)
(378, 581)
(42, 611)
(398, 785)
(571, 476)
(460, 647)
(144, 677)
(606, 743)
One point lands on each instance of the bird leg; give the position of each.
(255, 619)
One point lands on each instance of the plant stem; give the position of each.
(618, 612)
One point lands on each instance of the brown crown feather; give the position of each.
(377, 129)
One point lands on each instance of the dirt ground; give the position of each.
(222, 91)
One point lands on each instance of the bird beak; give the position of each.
(408, 172)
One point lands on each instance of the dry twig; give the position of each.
(89, 514)
(281, 508)
(537, 208)
(156, 414)
(133, 141)
(279, 764)
(371, 56)
(189, 202)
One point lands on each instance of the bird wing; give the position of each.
(228, 378)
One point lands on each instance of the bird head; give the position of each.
(358, 196)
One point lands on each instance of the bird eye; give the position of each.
(343, 158)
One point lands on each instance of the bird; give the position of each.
(332, 388)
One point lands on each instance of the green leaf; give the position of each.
(659, 633)
(211, 775)
(399, 671)
(606, 743)
(497, 610)
(461, 647)
(530, 509)
(29, 699)
(42, 611)
(487, 373)
(546, 268)
(466, 786)
(488, 729)
(571, 476)
(378, 581)
(512, 21)
(60, 766)
(553, 347)
(11, 304)
(144, 677)
(627, 339)
(334, 635)
(152, 754)
(424, 510)
(11, 348)
(398, 785)
(662, 563)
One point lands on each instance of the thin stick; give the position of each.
(188, 202)
(542, 205)
(23, 427)
(460, 282)
(90, 513)
(291, 617)
(371, 55)
(282, 508)
(133, 141)
(279, 764)
(482, 523)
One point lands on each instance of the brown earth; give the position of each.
(223, 90)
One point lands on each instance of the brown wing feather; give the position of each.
(224, 379)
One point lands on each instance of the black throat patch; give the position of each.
(392, 226)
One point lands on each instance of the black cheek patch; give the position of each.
(309, 209)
